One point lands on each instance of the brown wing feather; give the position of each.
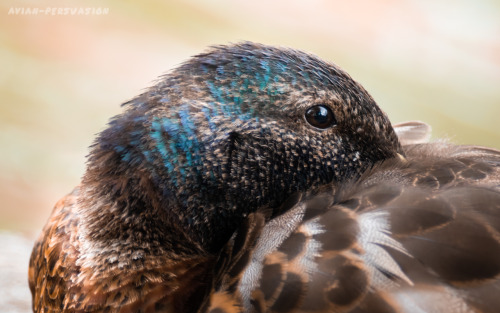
(443, 207)
(446, 216)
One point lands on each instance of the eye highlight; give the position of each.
(320, 116)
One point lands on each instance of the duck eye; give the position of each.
(320, 116)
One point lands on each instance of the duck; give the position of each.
(254, 178)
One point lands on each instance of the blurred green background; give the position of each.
(63, 76)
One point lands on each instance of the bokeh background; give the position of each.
(63, 76)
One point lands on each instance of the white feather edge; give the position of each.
(374, 235)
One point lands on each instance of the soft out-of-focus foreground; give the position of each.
(63, 76)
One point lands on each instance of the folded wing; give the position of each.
(415, 235)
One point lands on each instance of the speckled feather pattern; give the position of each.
(211, 192)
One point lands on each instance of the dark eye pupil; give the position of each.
(320, 116)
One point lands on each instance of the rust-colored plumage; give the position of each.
(261, 179)
(60, 283)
